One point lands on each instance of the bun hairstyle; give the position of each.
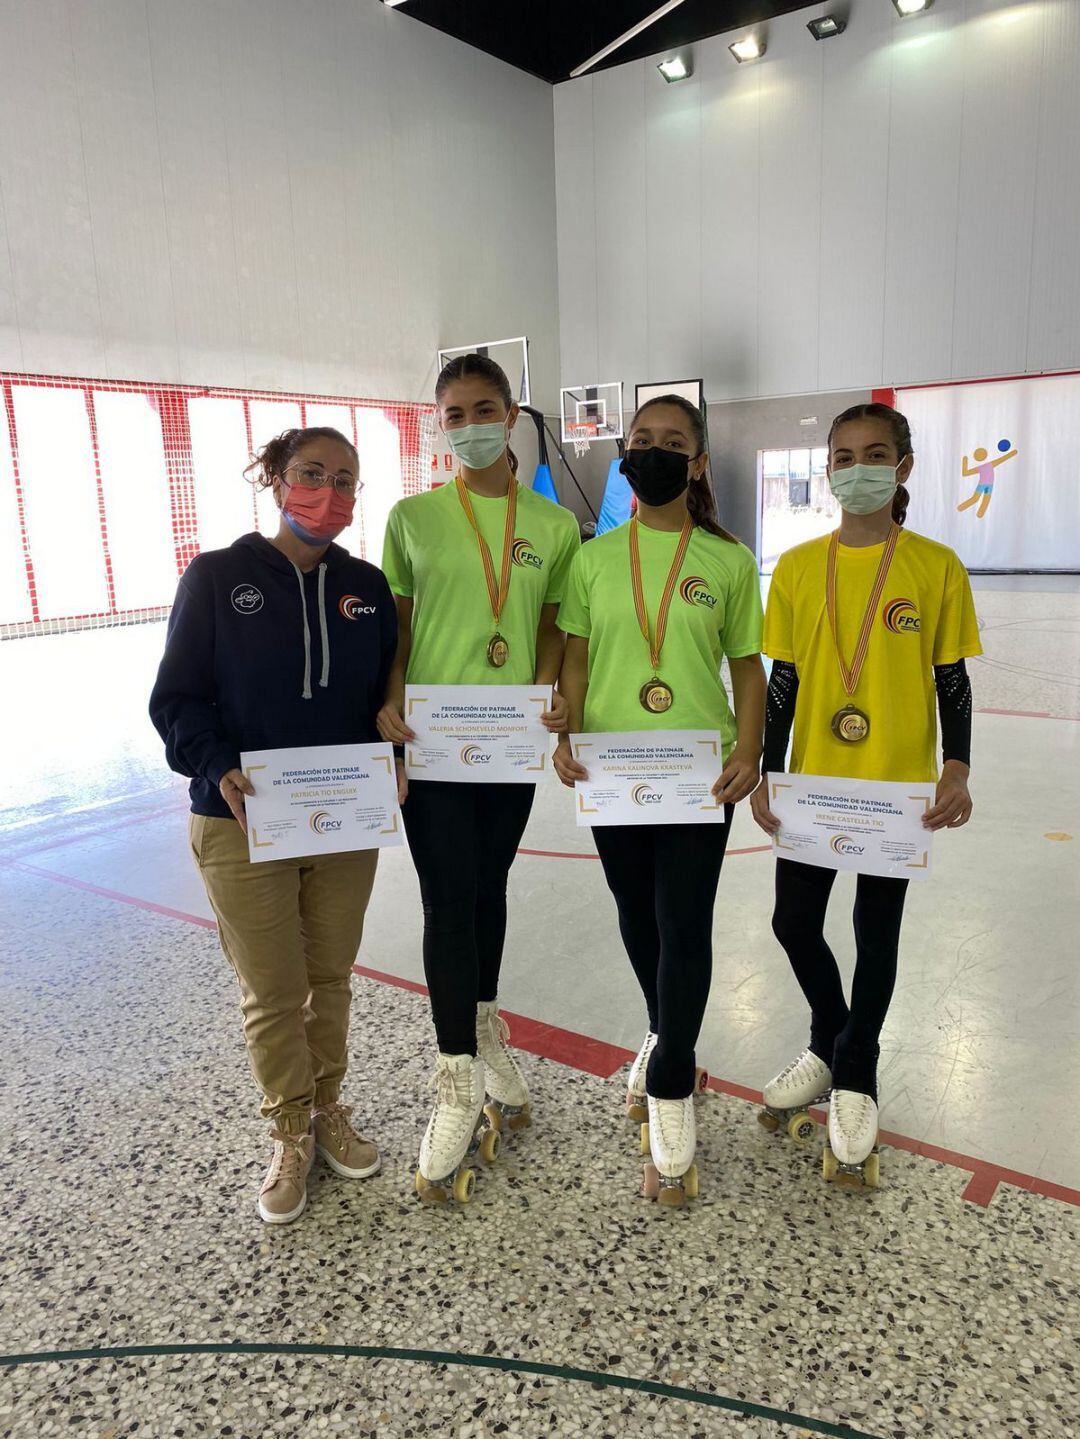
(699, 497)
(481, 367)
(900, 431)
(271, 462)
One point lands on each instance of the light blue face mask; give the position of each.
(864, 489)
(478, 446)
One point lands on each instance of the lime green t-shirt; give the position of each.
(716, 610)
(431, 556)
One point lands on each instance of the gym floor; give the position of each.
(559, 1302)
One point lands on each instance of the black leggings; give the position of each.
(664, 880)
(845, 1038)
(463, 839)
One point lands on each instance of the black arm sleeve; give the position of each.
(779, 715)
(954, 706)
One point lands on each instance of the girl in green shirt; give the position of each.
(478, 568)
(675, 574)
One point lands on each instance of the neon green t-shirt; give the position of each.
(431, 556)
(716, 610)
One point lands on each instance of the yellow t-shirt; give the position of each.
(926, 617)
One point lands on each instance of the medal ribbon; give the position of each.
(850, 673)
(669, 588)
(497, 591)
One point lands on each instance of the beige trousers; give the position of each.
(291, 929)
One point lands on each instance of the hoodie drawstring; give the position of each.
(323, 632)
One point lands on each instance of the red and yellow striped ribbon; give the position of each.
(669, 589)
(850, 673)
(497, 592)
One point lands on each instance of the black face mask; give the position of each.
(656, 476)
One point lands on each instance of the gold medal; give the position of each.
(850, 724)
(656, 696)
(498, 648)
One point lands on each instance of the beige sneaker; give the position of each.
(284, 1190)
(340, 1145)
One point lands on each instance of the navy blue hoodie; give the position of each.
(261, 656)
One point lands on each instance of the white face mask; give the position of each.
(864, 489)
(478, 446)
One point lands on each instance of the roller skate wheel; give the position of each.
(493, 1115)
(849, 1181)
(650, 1181)
(828, 1163)
(430, 1193)
(646, 1146)
(690, 1182)
(464, 1184)
(521, 1120)
(701, 1081)
(490, 1143)
(801, 1128)
(768, 1121)
(872, 1171)
(636, 1109)
(671, 1196)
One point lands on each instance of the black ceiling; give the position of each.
(549, 38)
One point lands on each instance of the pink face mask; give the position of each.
(317, 516)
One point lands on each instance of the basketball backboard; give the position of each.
(591, 413)
(692, 390)
(511, 355)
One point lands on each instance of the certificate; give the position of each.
(487, 734)
(321, 799)
(870, 826)
(648, 777)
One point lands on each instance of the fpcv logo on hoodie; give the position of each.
(352, 607)
(247, 600)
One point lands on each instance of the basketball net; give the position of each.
(581, 437)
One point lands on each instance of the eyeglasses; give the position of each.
(312, 479)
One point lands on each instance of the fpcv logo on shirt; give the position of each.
(695, 591)
(901, 617)
(522, 553)
(351, 607)
(246, 599)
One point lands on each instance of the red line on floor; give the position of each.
(595, 1056)
(103, 828)
(1019, 714)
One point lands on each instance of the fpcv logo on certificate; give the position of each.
(471, 755)
(246, 599)
(642, 794)
(323, 823)
(844, 844)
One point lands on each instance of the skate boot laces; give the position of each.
(854, 1112)
(798, 1069)
(673, 1116)
(451, 1093)
(498, 1031)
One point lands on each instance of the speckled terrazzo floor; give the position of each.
(127, 1217)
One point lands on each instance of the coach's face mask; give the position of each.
(478, 446)
(864, 489)
(317, 516)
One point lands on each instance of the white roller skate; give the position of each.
(670, 1139)
(637, 1108)
(806, 1080)
(507, 1092)
(455, 1132)
(851, 1156)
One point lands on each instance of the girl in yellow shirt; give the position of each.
(868, 630)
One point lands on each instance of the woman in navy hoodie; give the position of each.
(274, 643)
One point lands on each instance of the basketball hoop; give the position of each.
(581, 437)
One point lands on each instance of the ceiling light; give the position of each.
(826, 26)
(749, 49)
(675, 69)
(911, 7)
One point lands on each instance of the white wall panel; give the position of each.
(673, 210)
(43, 174)
(1002, 46)
(789, 298)
(576, 210)
(1054, 301)
(622, 205)
(9, 330)
(923, 166)
(854, 198)
(730, 250)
